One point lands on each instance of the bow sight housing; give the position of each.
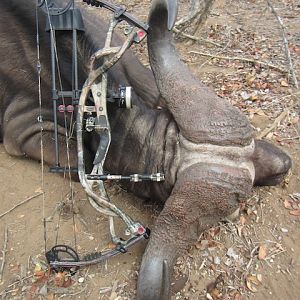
(90, 106)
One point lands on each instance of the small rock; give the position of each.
(231, 253)
(245, 95)
(81, 280)
(228, 262)
(217, 260)
(25, 288)
(284, 230)
(209, 297)
(91, 238)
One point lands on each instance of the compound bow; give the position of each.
(94, 118)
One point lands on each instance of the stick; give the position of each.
(277, 121)
(198, 13)
(251, 60)
(21, 203)
(4, 253)
(4, 292)
(286, 45)
(290, 138)
(194, 38)
(72, 294)
(202, 15)
(193, 12)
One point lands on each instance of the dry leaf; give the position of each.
(215, 293)
(201, 245)
(39, 275)
(214, 231)
(262, 252)
(287, 204)
(295, 120)
(38, 190)
(251, 287)
(238, 296)
(250, 79)
(253, 279)
(259, 277)
(252, 283)
(50, 296)
(295, 212)
(240, 230)
(31, 293)
(68, 282)
(260, 112)
(242, 220)
(253, 97)
(109, 246)
(59, 279)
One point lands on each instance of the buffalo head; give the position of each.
(219, 160)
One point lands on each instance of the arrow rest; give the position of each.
(92, 117)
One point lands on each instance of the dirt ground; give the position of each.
(254, 257)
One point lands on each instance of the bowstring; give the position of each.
(67, 137)
(40, 120)
(71, 131)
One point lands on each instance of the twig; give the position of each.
(290, 138)
(198, 13)
(193, 12)
(262, 213)
(286, 45)
(280, 118)
(21, 203)
(5, 291)
(105, 290)
(251, 60)
(4, 253)
(113, 290)
(202, 15)
(277, 121)
(194, 38)
(274, 254)
(72, 294)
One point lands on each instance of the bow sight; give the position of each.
(90, 106)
